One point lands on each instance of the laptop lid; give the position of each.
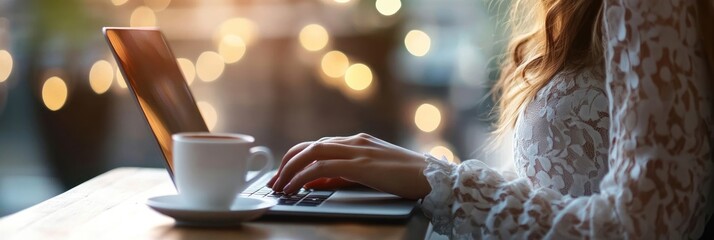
(157, 84)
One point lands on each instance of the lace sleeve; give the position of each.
(659, 156)
(560, 139)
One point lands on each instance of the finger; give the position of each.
(288, 155)
(329, 183)
(297, 149)
(316, 184)
(320, 169)
(314, 152)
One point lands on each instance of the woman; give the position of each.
(611, 106)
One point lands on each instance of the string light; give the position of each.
(313, 37)
(358, 77)
(244, 28)
(209, 66)
(119, 2)
(100, 76)
(417, 42)
(232, 48)
(388, 7)
(5, 65)
(334, 64)
(427, 117)
(54, 93)
(441, 151)
(142, 17)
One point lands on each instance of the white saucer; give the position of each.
(243, 209)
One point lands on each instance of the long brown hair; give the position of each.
(546, 35)
(551, 36)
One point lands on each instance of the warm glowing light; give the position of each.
(119, 2)
(209, 66)
(441, 151)
(100, 76)
(187, 68)
(427, 117)
(231, 48)
(54, 93)
(417, 43)
(142, 17)
(241, 27)
(120, 79)
(358, 77)
(342, 1)
(157, 5)
(334, 64)
(388, 7)
(5, 65)
(313, 37)
(210, 116)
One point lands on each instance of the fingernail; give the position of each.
(287, 189)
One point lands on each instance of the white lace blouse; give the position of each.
(647, 116)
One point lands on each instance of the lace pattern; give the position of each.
(659, 155)
(561, 139)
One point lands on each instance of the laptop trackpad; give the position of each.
(362, 196)
(350, 198)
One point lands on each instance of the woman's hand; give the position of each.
(360, 158)
(330, 183)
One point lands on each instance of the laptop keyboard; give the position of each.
(305, 197)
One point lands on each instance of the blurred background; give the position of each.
(416, 73)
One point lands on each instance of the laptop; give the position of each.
(159, 87)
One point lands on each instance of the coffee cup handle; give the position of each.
(256, 152)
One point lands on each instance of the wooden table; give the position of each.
(111, 206)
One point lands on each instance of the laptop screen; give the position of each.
(154, 77)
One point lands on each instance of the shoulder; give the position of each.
(570, 95)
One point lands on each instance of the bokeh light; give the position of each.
(101, 76)
(157, 5)
(187, 68)
(342, 1)
(313, 37)
(142, 17)
(232, 48)
(358, 77)
(417, 42)
(54, 93)
(209, 66)
(210, 116)
(388, 7)
(441, 151)
(5, 65)
(427, 117)
(120, 78)
(244, 28)
(119, 2)
(334, 64)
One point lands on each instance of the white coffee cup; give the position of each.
(210, 169)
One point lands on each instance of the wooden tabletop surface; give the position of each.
(112, 206)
